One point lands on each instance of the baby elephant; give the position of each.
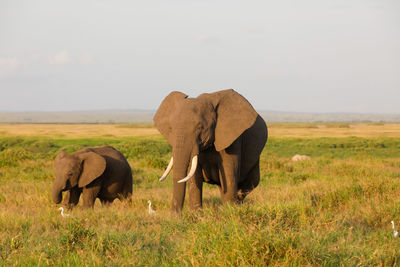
(100, 172)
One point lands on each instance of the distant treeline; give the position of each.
(145, 116)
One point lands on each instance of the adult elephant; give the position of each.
(221, 135)
(100, 172)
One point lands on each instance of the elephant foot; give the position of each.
(69, 206)
(106, 202)
(241, 195)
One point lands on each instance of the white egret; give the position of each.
(62, 212)
(395, 233)
(151, 211)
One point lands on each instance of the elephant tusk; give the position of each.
(169, 168)
(192, 170)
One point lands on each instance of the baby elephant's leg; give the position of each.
(106, 202)
(90, 194)
(72, 197)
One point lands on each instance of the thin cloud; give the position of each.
(86, 59)
(61, 58)
(254, 29)
(9, 66)
(207, 39)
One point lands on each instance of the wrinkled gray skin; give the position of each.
(226, 133)
(101, 172)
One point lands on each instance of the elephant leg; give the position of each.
(229, 172)
(66, 198)
(106, 202)
(90, 194)
(72, 197)
(127, 190)
(250, 182)
(195, 187)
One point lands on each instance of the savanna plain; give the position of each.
(334, 209)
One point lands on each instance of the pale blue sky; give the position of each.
(304, 56)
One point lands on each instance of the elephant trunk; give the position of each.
(183, 151)
(181, 163)
(57, 193)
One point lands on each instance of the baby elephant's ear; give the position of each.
(93, 166)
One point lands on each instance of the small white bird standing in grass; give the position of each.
(395, 233)
(151, 211)
(62, 212)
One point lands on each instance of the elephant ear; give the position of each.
(93, 166)
(234, 116)
(162, 117)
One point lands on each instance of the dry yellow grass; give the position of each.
(334, 130)
(332, 210)
(300, 130)
(72, 131)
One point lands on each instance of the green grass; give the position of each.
(334, 209)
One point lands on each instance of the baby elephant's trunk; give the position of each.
(57, 193)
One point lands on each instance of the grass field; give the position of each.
(334, 209)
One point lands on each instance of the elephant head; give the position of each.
(75, 170)
(192, 125)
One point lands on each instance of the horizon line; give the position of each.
(154, 110)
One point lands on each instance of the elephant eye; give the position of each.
(70, 174)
